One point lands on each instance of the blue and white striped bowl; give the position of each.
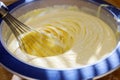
(106, 65)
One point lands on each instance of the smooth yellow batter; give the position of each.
(68, 38)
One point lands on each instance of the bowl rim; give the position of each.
(101, 67)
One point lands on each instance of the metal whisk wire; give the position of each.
(32, 41)
(16, 26)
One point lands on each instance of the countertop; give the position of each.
(115, 75)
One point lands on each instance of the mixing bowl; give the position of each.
(109, 14)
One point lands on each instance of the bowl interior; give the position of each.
(84, 6)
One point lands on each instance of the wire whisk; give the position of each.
(31, 41)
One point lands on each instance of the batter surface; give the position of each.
(84, 38)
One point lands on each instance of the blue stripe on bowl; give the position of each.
(15, 4)
(114, 59)
(118, 53)
(53, 75)
(87, 72)
(71, 75)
